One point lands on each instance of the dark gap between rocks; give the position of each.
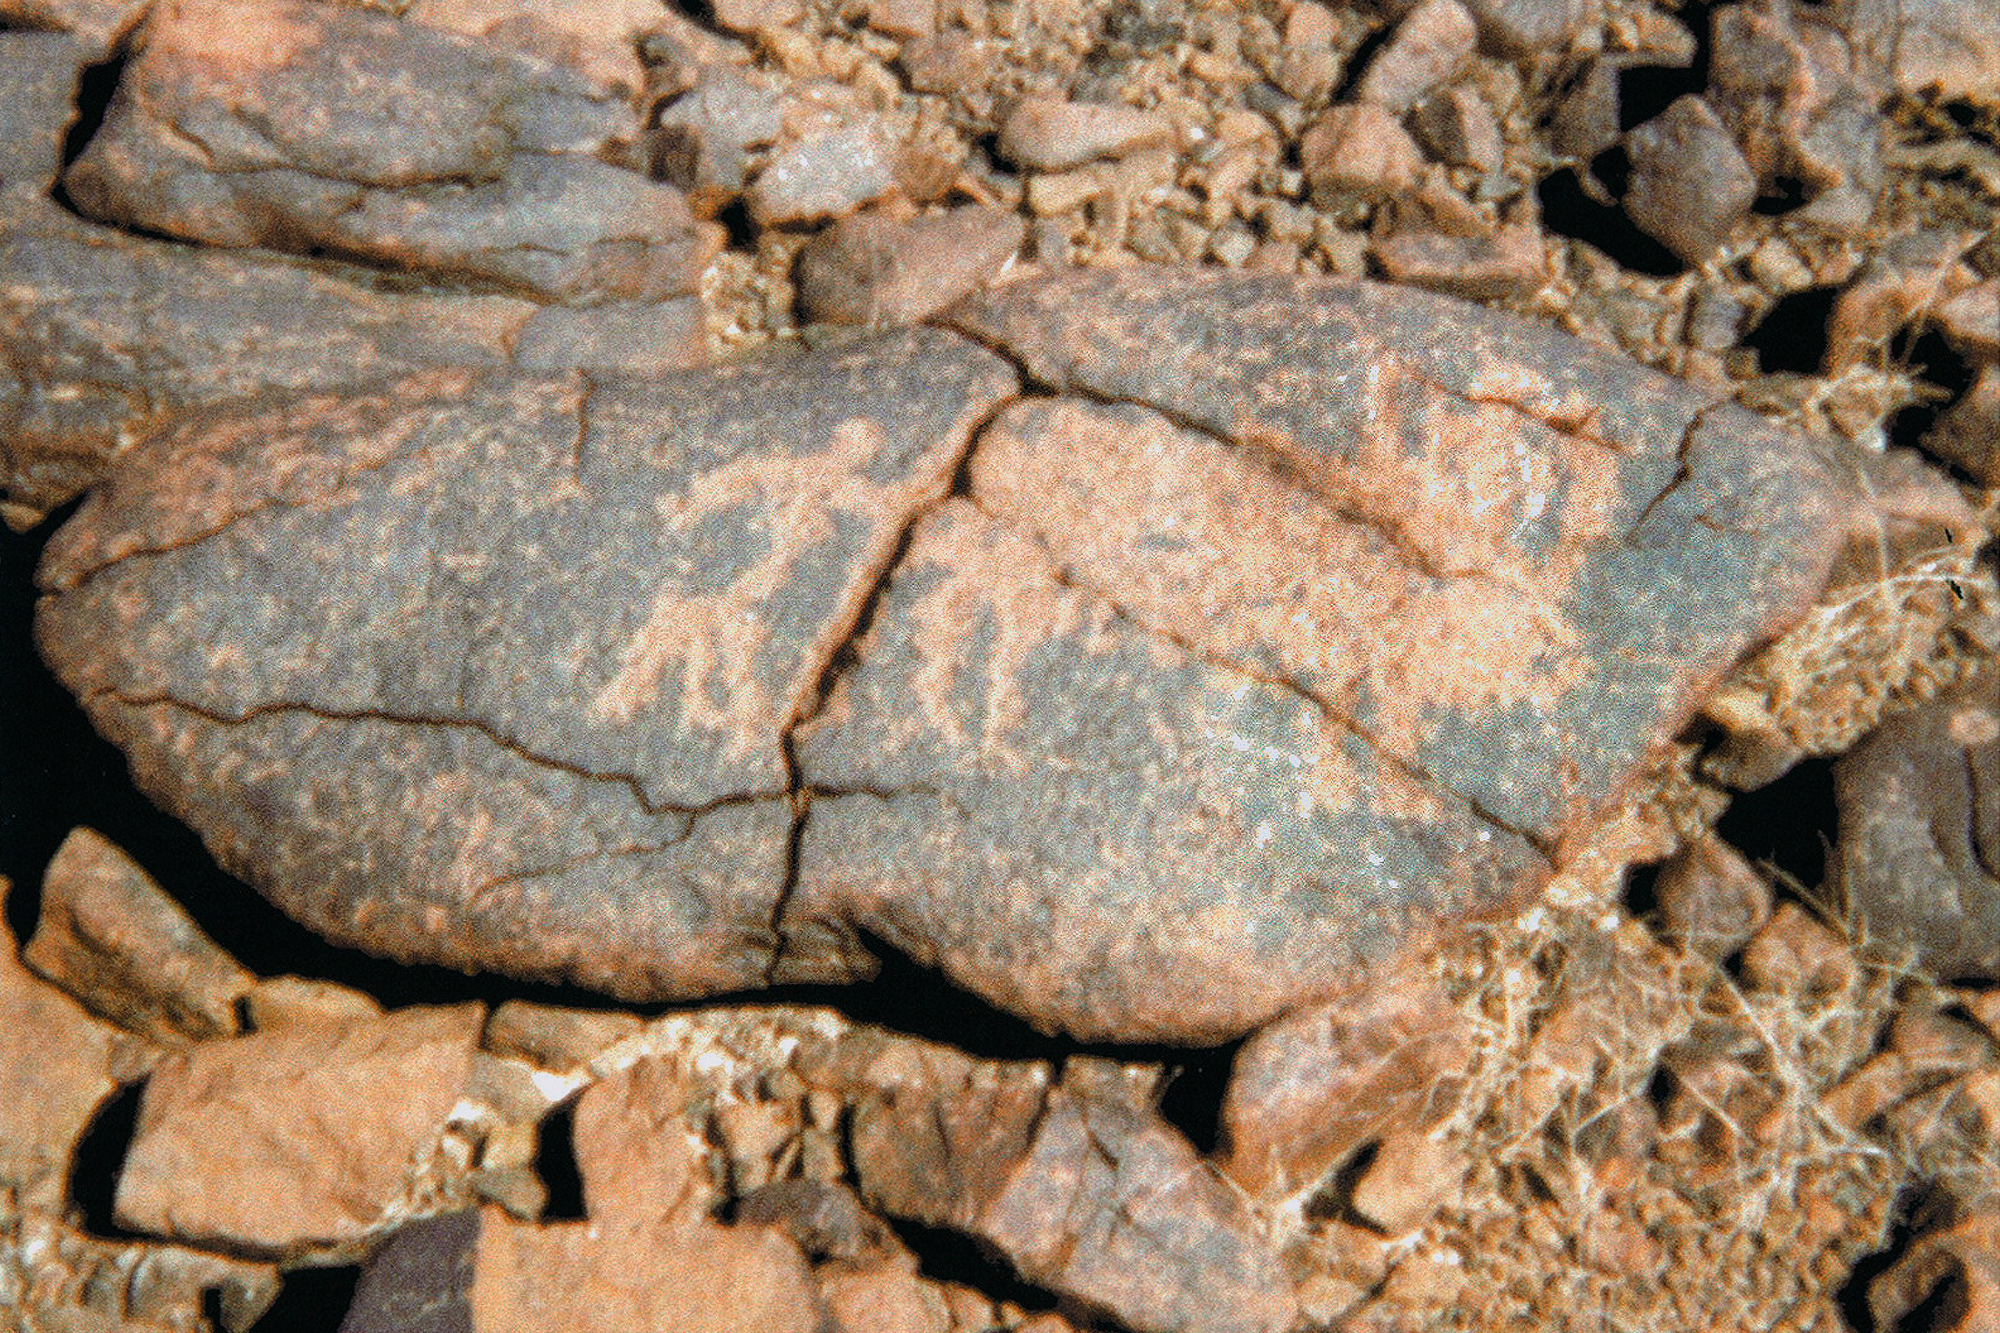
(1943, 377)
(313, 1300)
(1791, 337)
(1358, 61)
(96, 85)
(1638, 896)
(100, 1157)
(1785, 194)
(1568, 209)
(1192, 1101)
(1333, 1201)
(1788, 823)
(556, 1164)
(952, 1256)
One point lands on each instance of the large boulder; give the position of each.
(1152, 654)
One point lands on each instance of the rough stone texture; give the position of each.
(97, 24)
(1526, 26)
(1689, 182)
(826, 175)
(1083, 1193)
(1942, 48)
(1360, 148)
(309, 128)
(111, 937)
(1711, 899)
(1508, 263)
(878, 271)
(1969, 434)
(58, 1066)
(419, 1281)
(1431, 45)
(38, 76)
(105, 335)
(317, 1129)
(547, 695)
(589, 616)
(1050, 134)
(1312, 1089)
(1956, 1266)
(1918, 857)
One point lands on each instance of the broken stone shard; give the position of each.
(1274, 628)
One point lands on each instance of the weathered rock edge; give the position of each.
(1271, 629)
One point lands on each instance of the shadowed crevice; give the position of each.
(100, 1157)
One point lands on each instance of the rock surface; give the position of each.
(318, 1128)
(1918, 858)
(1420, 616)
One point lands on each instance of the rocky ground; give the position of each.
(1736, 1066)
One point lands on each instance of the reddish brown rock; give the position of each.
(58, 1067)
(556, 1038)
(1510, 262)
(316, 1128)
(98, 24)
(1918, 856)
(1969, 434)
(1519, 27)
(1690, 184)
(881, 272)
(1409, 1178)
(279, 1002)
(1431, 45)
(1958, 1261)
(1459, 128)
(1943, 49)
(1089, 1195)
(1360, 149)
(1311, 1090)
(1796, 954)
(828, 173)
(111, 937)
(317, 128)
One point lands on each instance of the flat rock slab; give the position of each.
(1152, 655)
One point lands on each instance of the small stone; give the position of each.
(38, 77)
(706, 137)
(1968, 435)
(1460, 130)
(829, 174)
(1918, 856)
(111, 937)
(315, 1128)
(1795, 955)
(1879, 1084)
(1944, 50)
(1411, 1176)
(1051, 134)
(1524, 27)
(1711, 899)
(826, 1219)
(902, 18)
(1510, 262)
(1359, 148)
(556, 1038)
(282, 1002)
(1431, 45)
(877, 271)
(1585, 122)
(1689, 183)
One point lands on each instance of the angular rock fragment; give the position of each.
(876, 271)
(317, 128)
(1088, 1195)
(109, 936)
(1689, 182)
(1918, 857)
(1711, 899)
(1969, 434)
(1431, 44)
(317, 1129)
(77, 1281)
(681, 686)
(1050, 134)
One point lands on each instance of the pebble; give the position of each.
(874, 270)
(1430, 47)
(1359, 148)
(827, 175)
(1052, 134)
(1689, 185)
